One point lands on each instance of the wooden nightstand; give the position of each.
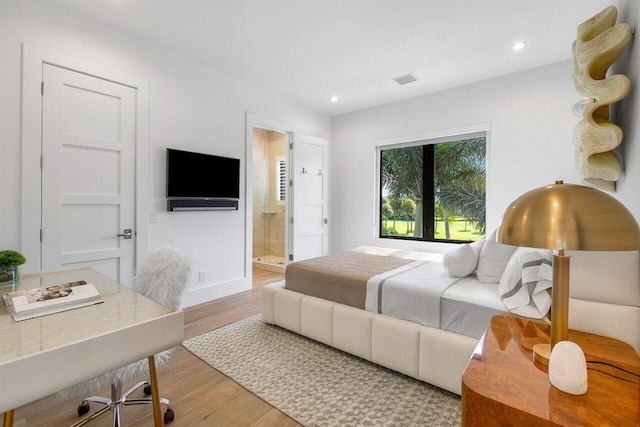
(502, 387)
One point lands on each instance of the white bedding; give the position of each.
(470, 290)
(411, 292)
(467, 306)
(422, 292)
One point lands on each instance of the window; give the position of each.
(434, 190)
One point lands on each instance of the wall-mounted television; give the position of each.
(202, 176)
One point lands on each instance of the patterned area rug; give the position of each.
(318, 385)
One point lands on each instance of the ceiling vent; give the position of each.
(403, 80)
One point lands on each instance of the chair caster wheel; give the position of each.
(147, 390)
(169, 415)
(83, 408)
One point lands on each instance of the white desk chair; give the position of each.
(162, 277)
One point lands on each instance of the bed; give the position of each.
(333, 300)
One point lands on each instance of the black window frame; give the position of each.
(428, 191)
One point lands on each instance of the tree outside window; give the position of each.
(434, 191)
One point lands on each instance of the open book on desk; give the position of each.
(51, 299)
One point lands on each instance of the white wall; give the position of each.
(626, 113)
(192, 107)
(530, 144)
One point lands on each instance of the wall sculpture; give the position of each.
(598, 44)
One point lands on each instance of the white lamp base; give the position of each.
(568, 368)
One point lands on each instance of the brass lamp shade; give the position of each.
(566, 217)
(569, 217)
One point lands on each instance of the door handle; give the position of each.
(326, 221)
(127, 234)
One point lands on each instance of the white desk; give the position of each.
(43, 355)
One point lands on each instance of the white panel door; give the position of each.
(88, 173)
(309, 207)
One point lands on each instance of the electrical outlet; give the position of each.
(202, 276)
(153, 217)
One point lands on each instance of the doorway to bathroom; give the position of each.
(269, 199)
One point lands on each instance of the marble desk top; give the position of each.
(43, 355)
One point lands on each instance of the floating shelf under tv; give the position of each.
(202, 205)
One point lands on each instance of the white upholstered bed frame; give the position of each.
(605, 300)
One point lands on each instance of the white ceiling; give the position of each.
(310, 50)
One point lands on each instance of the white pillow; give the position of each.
(463, 259)
(493, 260)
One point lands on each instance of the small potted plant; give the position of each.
(9, 262)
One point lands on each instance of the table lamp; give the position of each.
(566, 217)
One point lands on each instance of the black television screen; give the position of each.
(202, 175)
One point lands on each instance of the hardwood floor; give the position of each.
(199, 394)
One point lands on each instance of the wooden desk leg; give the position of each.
(155, 394)
(8, 418)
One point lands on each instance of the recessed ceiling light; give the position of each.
(333, 99)
(519, 45)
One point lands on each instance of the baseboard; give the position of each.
(214, 291)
